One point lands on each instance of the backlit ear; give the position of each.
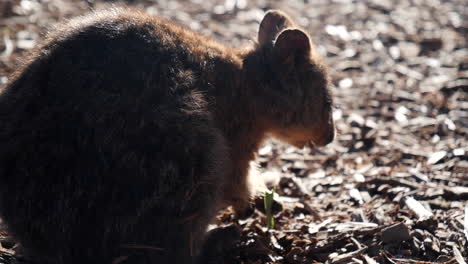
(292, 44)
(272, 24)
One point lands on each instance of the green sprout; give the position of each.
(268, 202)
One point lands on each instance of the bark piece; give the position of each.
(395, 233)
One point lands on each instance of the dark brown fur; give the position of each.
(125, 130)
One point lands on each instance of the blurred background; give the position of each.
(392, 188)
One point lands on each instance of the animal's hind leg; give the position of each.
(161, 238)
(173, 227)
(220, 245)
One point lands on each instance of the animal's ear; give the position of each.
(292, 44)
(272, 24)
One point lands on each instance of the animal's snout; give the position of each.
(328, 134)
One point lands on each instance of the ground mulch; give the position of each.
(393, 187)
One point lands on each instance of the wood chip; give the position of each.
(369, 260)
(466, 223)
(421, 212)
(458, 255)
(395, 233)
(436, 157)
(348, 256)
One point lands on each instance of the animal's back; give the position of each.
(104, 127)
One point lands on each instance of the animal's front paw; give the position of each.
(243, 208)
(245, 211)
(259, 202)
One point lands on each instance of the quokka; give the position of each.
(125, 129)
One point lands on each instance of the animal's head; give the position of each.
(296, 90)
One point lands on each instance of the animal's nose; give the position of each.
(328, 137)
(331, 136)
